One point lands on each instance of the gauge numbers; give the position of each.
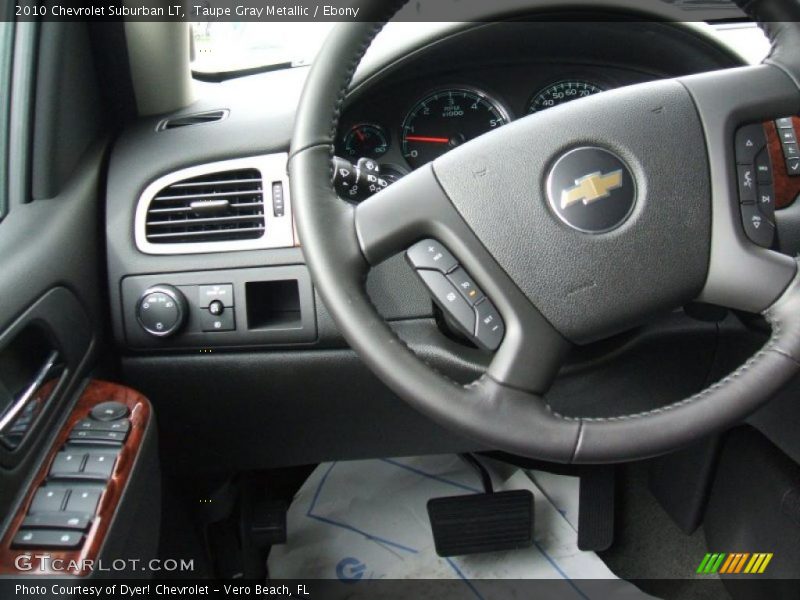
(561, 92)
(446, 119)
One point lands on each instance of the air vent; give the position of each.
(214, 207)
(195, 119)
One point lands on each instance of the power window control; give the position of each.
(99, 465)
(47, 538)
(83, 500)
(67, 463)
(57, 520)
(48, 499)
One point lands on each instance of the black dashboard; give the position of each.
(276, 357)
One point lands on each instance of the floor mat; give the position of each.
(366, 520)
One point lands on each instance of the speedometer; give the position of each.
(446, 119)
(561, 92)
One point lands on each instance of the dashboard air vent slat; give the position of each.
(227, 205)
(193, 119)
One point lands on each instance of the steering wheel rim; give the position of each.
(506, 408)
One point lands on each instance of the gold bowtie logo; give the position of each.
(591, 188)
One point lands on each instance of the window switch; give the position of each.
(83, 500)
(67, 463)
(47, 538)
(48, 499)
(99, 465)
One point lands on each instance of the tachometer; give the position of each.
(561, 92)
(446, 119)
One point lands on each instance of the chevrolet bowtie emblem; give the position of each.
(591, 188)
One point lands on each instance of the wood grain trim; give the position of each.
(94, 393)
(787, 188)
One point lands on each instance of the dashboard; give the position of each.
(429, 105)
(245, 334)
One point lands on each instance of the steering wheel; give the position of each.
(566, 261)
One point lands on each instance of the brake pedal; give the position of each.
(478, 523)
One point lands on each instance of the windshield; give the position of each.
(225, 46)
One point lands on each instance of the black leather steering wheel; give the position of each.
(552, 284)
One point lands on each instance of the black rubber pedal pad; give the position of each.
(477, 523)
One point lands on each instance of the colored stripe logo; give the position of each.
(734, 563)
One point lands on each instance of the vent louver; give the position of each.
(215, 207)
(195, 119)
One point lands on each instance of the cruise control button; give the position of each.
(763, 167)
(747, 183)
(206, 294)
(430, 254)
(750, 139)
(47, 538)
(765, 200)
(490, 327)
(757, 228)
(109, 411)
(448, 298)
(466, 286)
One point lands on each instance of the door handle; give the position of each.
(51, 367)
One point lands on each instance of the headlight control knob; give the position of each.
(162, 310)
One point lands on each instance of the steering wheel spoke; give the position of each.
(742, 274)
(416, 208)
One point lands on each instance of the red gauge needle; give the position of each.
(360, 135)
(430, 140)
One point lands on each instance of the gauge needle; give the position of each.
(430, 140)
(360, 135)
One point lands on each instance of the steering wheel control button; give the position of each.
(747, 183)
(223, 322)
(220, 292)
(490, 327)
(793, 166)
(757, 227)
(47, 538)
(750, 140)
(765, 200)
(109, 411)
(763, 167)
(466, 286)
(162, 310)
(784, 123)
(450, 300)
(430, 254)
(591, 190)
